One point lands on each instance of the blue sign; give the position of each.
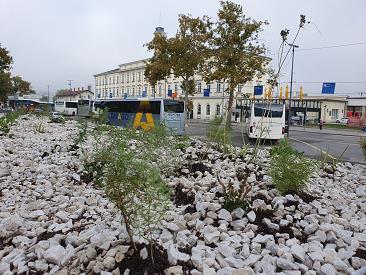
(328, 88)
(170, 93)
(125, 95)
(258, 90)
(144, 93)
(206, 92)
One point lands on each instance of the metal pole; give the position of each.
(48, 98)
(289, 103)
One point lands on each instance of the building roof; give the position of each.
(72, 93)
(107, 72)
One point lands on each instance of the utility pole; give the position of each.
(48, 93)
(70, 80)
(292, 76)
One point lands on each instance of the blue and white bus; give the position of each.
(144, 113)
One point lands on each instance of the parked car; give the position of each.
(343, 120)
(55, 115)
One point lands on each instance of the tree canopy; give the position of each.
(181, 55)
(237, 57)
(226, 49)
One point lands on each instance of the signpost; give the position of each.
(258, 90)
(328, 88)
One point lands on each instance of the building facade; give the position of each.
(128, 80)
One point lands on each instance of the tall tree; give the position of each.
(20, 85)
(5, 60)
(237, 55)
(5, 65)
(182, 55)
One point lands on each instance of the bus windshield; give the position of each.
(172, 106)
(268, 110)
(131, 106)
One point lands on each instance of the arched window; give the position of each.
(208, 109)
(199, 109)
(218, 109)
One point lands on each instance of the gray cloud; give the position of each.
(52, 41)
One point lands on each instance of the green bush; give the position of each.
(83, 130)
(40, 128)
(127, 164)
(236, 197)
(217, 132)
(289, 169)
(8, 119)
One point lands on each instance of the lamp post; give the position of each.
(292, 75)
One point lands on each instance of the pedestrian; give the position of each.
(321, 124)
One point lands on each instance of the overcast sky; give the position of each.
(53, 41)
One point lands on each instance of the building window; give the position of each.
(208, 109)
(128, 90)
(133, 77)
(176, 87)
(117, 94)
(133, 91)
(139, 73)
(240, 86)
(208, 86)
(114, 80)
(117, 79)
(122, 91)
(128, 77)
(159, 90)
(199, 88)
(218, 109)
(139, 90)
(198, 109)
(218, 86)
(122, 78)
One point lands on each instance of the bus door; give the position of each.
(174, 116)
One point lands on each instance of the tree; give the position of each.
(5, 60)
(5, 86)
(236, 55)
(5, 65)
(20, 85)
(182, 55)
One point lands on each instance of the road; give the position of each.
(341, 144)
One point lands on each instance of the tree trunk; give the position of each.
(186, 92)
(230, 105)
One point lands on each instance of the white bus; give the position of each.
(266, 121)
(69, 108)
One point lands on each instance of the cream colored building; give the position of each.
(129, 80)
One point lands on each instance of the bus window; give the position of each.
(268, 110)
(131, 106)
(71, 104)
(171, 106)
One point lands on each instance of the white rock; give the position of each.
(143, 253)
(172, 227)
(226, 250)
(298, 252)
(212, 237)
(252, 259)
(174, 270)
(328, 269)
(310, 228)
(234, 262)
(251, 216)
(55, 254)
(225, 215)
(286, 264)
(174, 255)
(238, 213)
(109, 262)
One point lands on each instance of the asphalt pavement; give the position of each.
(313, 142)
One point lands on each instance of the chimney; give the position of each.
(78, 89)
(82, 88)
(74, 89)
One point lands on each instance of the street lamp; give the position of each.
(292, 75)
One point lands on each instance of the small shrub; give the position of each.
(236, 197)
(217, 132)
(40, 128)
(289, 169)
(8, 119)
(83, 129)
(58, 119)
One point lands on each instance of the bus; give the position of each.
(266, 121)
(83, 107)
(66, 107)
(144, 113)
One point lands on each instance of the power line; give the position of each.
(334, 46)
(342, 82)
